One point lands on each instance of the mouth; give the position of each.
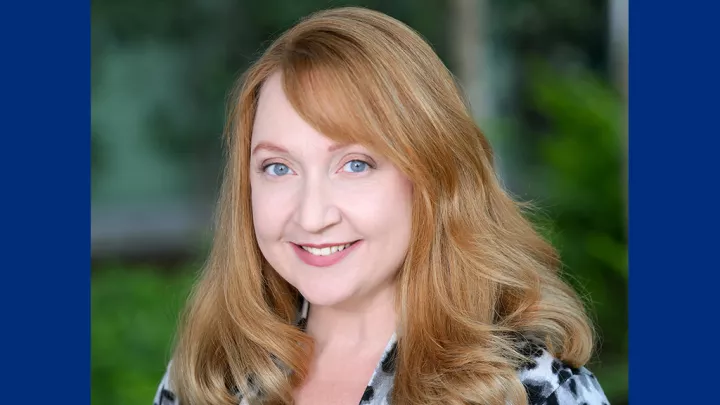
(325, 250)
(324, 255)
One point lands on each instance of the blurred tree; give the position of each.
(565, 35)
(565, 118)
(578, 183)
(618, 21)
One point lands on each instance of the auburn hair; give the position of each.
(477, 278)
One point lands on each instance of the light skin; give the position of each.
(309, 191)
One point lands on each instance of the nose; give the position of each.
(317, 210)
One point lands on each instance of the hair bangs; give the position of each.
(336, 91)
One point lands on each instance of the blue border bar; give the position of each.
(45, 166)
(674, 226)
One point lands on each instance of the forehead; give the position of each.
(276, 120)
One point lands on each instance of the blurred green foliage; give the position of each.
(578, 184)
(134, 315)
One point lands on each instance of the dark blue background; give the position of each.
(673, 219)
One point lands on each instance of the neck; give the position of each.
(360, 325)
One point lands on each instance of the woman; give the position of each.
(365, 251)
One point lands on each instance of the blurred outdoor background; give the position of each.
(548, 82)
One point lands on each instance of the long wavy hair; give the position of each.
(477, 278)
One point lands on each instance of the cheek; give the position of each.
(383, 210)
(397, 211)
(269, 210)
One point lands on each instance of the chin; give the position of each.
(326, 295)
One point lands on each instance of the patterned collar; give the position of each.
(379, 388)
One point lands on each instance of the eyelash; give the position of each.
(364, 159)
(264, 167)
(371, 164)
(368, 162)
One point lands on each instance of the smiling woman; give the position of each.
(365, 252)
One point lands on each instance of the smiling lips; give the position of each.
(323, 255)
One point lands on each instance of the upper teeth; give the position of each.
(326, 250)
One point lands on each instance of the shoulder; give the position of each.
(549, 381)
(165, 394)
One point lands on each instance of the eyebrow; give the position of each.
(275, 148)
(269, 147)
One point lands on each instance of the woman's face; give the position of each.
(333, 220)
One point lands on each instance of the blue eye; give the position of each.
(277, 169)
(356, 166)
